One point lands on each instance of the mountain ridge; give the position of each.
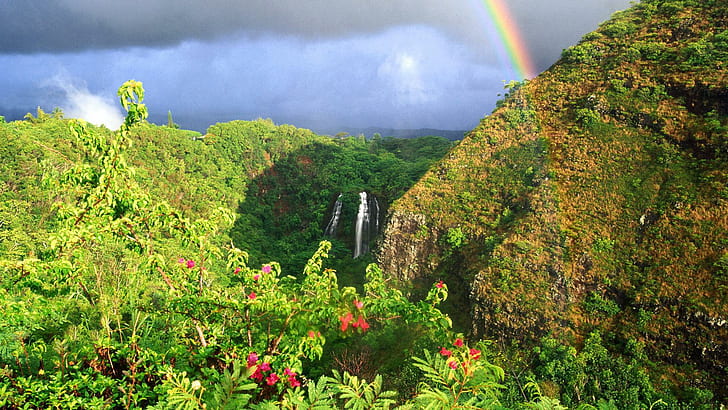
(452, 135)
(590, 195)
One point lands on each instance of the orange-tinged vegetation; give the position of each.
(596, 195)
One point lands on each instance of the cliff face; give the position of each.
(595, 196)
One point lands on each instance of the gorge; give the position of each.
(570, 252)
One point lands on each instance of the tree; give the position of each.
(170, 122)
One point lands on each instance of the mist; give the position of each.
(79, 102)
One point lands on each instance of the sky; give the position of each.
(327, 65)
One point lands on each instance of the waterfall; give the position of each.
(367, 223)
(362, 223)
(334, 222)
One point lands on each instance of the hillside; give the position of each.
(288, 177)
(121, 280)
(571, 250)
(289, 204)
(595, 197)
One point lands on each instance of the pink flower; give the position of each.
(252, 295)
(358, 304)
(453, 364)
(181, 260)
(445, 352)
(458, 342)
(266, 269)
(257, 374)
(475, 354)
(252, 359)
(345, 320)
(439, 285)
(361, 323)
(190, 264)
(272, 379)
(294, 381)
(237, 270)
(289, 372)
(256, 276)
(264, 367)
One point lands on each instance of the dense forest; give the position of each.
(569, 252)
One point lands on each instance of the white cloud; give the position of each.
(80, 103)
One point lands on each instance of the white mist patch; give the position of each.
(403, 72)
(81, 103)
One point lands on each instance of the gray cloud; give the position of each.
(313, 63)
(550, 26)
(74, 25)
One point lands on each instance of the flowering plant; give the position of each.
(459, 376)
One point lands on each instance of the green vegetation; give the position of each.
(121, 300)
(288, 205)
(581, 226)
(594, 199)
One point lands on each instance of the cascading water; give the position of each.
(367, 223)
(334, 221)
(362, 223)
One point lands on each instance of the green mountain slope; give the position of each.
(594, 197)
(279, 180)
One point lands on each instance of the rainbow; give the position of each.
(510, 47)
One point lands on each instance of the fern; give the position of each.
(182, 394)
(316, 397)
(458, 379)
(357, 394)
(231, 392)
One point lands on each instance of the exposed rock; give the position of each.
(407, 246)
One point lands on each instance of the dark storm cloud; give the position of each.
(314, 63)
(74, 25)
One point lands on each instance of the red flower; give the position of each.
(252, 359)
(294, 381)
(272, 379)
(289, 372)
(439, 285)
(266, 269)
(264, 367)
(445, 352)
(345, 320)
(475, 354)
(237, 270)
(361, 323)
(252, 295)
(311, 334)
(458, 342)
(257, 375)
(453, 364)
(256, 276)
(190, 264)
(358, 304)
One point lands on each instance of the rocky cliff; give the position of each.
(594, 197)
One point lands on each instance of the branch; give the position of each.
(166, 279)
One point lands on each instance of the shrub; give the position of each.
(584, 53)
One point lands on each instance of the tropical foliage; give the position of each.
(155, 267)
(129, 303)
